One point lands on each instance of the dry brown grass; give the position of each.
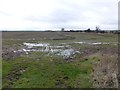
(105, 71)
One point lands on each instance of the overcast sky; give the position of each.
(55, 14)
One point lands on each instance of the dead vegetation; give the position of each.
(105, 72)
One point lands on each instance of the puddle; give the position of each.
(63, 43)
(30, 45)
(63, 50)
(95, 43)
(79, 42)
(57, 46)
(66, 53)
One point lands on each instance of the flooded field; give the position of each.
(60, 60)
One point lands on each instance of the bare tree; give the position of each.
(62, 29)
(97, 29)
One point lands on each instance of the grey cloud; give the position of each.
(37, 19)
(74, 13)
(4, 13)
(58, 16)
(62, 15)
(114, 22)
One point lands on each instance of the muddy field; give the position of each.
(59, 60)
